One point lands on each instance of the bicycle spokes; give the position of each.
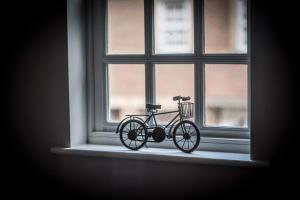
(186, 136)
(133, 134)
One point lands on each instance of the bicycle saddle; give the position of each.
(176, 98)
(152, 106)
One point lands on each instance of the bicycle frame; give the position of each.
(152, 115)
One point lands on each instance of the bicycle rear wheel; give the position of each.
(133, 134)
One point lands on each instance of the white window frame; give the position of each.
(101, 131)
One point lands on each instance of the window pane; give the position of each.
(126, 27)
(126, 87)
(173, 80)
(174, 26)
(225, 26)
(226, 95)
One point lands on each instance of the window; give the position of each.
(125, 19)
(173, 24)
(149, 51)
(125, 81)
(225, 24)
(172, 79)
(226, 95)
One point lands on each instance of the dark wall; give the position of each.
(35, 43)
(274, 103)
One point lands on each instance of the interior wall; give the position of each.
(38, 118)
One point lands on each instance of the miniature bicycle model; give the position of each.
(135, 132)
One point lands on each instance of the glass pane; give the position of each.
(126, 87)
(173, 80)
(126, 27)
(174, 26)
(226, 95)
(225, 26)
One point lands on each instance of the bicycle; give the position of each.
(136, 132)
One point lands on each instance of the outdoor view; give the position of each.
(225, 31)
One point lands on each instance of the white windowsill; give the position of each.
(159, 154)
(206, 144)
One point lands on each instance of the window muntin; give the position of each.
(173, 26)
(126, 90)
(125, 22)
(226, 95)
(225, 25)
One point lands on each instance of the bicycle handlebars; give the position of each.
(176, 98)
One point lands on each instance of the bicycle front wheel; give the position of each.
(186, 136)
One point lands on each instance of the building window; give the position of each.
(174, 26)
(149, 51)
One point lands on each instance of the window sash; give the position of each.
(97, 70)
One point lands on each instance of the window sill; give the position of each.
(158, 154)
(206, 144)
